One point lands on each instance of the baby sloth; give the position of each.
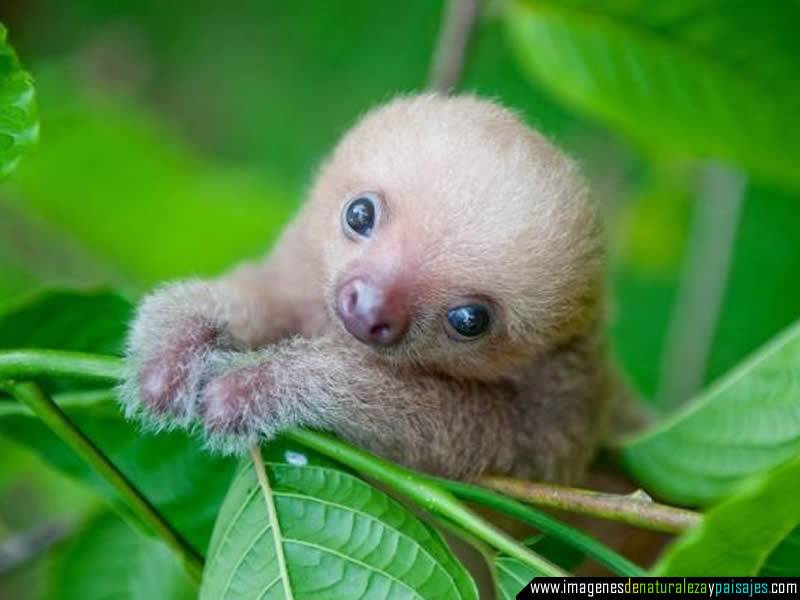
(438, 300)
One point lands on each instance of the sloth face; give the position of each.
(377, 310)
(456, 238)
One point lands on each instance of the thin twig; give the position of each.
(24, 365)
(635, 509)
(543, 522)
(32, 396)
(453, 44)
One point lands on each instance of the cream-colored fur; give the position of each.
(476, 205)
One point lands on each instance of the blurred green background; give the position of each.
(178, 138)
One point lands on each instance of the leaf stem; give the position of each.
(544, 523)
(425, 493)
(32, 396)
(634, 509)
(266, 491)
(32, 364)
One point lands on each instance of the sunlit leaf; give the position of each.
(748, 422)
(745, 533)
(696, 78)
(335, 536)
(19, 127)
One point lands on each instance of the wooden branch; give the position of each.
(635, 509)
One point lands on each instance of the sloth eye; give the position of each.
(360, 214)
(469, 321)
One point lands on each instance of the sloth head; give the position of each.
(456, 238)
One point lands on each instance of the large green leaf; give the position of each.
(332, 536)
(109, 559)
(19, 127)
(748, 422)
(699, 77)
(737, 537)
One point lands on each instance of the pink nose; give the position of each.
(373, 314)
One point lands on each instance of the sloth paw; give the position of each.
(240, 407)
(165, 383)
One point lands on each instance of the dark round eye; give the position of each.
(359, 215)
(469, 321)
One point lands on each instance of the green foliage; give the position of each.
(744, 424)
(110, 559)
(327, 515)
(117, 196)
(19, 128)
(681, 77)
(70, 325)
(326, 534)
(186, 206)
(746, 534)
(784, 560)
(173, 469)
(510, 575)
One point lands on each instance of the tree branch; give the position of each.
(634, 509)
(453, 44)
(544, 523)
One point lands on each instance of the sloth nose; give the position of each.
(374, 314)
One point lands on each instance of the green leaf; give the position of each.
(19, 127)
(109, 559)
(784, 560)
(151, 209)
(184, 482)
(334, 536)
(511, 575)
(744, 424)
(173, 470)
(737, 537)
(695, 78)
(90, 321)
